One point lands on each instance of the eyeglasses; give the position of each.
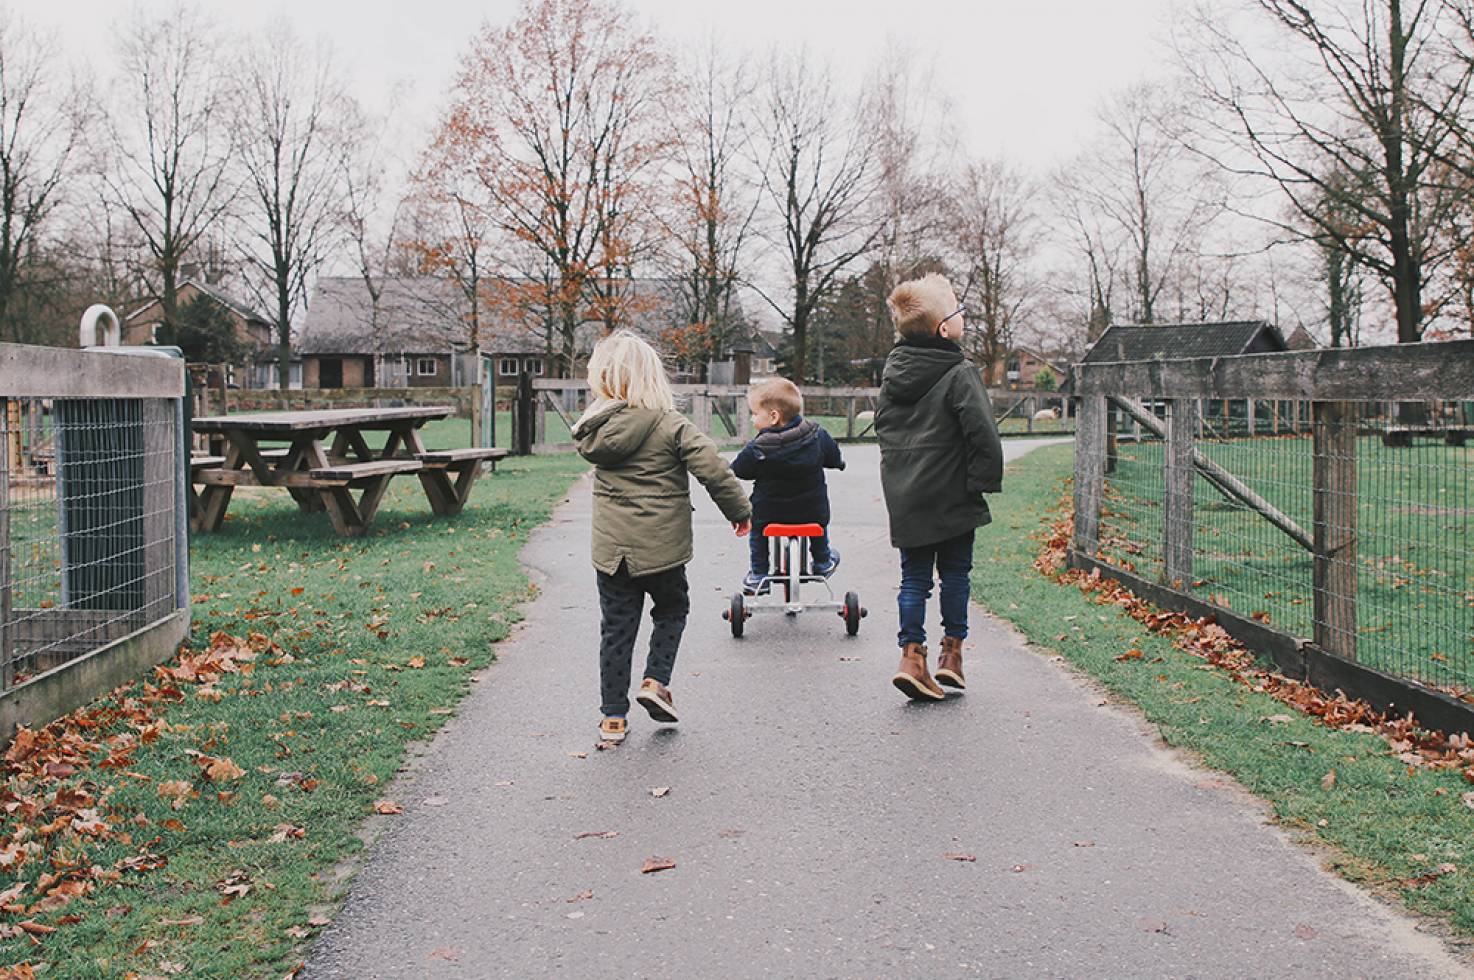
(957, 312)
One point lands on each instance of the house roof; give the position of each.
(1048, 362)
(1141, 342)
(429, 314)
(1300, 339)
(230, 303)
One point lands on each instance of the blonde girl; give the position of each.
(642, 450)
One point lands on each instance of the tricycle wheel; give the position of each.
(737, 614)
(852, 613)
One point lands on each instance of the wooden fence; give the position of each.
(1333, 538)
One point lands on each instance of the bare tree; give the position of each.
(372, 215)
(818, 180)
(709, 223)
(1098, 246)
(292, 123)
(41, 125)
(996, 235)
(555, 115)
(1364, 114)
(171, 177)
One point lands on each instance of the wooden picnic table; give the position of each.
(327, 455)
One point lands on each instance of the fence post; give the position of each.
(1090, 457)
(1335, 502)
(540, 415)
(1177, 505)
(522, 436)
(7, 646)
(701, 411)
(849, 416)
(1111, 422)
(488, 410)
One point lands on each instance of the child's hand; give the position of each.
(743, 528)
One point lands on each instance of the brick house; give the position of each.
(1020, 369)
(252, 328)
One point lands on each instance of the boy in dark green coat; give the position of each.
(939, 453)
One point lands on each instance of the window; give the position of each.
(426, 366)
(508, 367)
(535, 365)
(153, 333)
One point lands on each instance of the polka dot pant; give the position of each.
(621, 601)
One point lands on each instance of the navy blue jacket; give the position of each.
(788, 462)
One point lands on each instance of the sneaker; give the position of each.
(829, 568)
(612, 729)
(755, 584)
(654, 698)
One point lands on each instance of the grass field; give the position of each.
(381, 636)
(1392, 825)
(1415, 528)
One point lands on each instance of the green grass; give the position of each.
(1388, 824)
(344, 610)
(1415, 522)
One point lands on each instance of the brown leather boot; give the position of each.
(912, 677)
(949, 664)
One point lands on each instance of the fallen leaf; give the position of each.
(1468, 799)
(1328, 781)
(582, 896)
(660, 791)
(578, 755)
(599, 834)
(387, 807)
(415, 662)
(1304, 931)
(1084, 843)
(36, 928)
(1279, 719)
(653, 864)
(318, 921)
(446, 953)
(959, 856)
(1132, 654)
(165, 966)
(193, 920)
(221, 770)
(1020, 868)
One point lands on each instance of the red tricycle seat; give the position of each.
(793, 531)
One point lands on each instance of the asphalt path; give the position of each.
(811, 810)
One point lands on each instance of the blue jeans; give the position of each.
(759, 545)
(952, 560)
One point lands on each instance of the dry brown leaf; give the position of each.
(959, 856)
(222, 770)
(582, 896)
(387, 807)
(1132, 654)
(578, 755)
(599, 834)
(1279, 719)
(660, 791)
(1328, 781)
(1468, 800)
(654, 864)
(415, 662)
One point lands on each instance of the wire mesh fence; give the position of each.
(1345, 522)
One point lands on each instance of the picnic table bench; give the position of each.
(329, 456)
(1404, 435)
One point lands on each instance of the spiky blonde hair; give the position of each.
(625, 368)
(918, 305)
(779, 395)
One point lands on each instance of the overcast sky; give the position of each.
(1024, 75)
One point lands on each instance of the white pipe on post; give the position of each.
(112, 330)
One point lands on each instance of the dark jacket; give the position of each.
(788, 462)
(642, 496)
(939, 448)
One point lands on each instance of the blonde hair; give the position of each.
(625, 368)
(918, 305)
(779, 395)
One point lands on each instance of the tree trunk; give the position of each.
(283, 331)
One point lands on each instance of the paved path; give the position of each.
(810, 805)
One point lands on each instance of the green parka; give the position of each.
(642, 497)
(939, 448)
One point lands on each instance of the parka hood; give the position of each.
(614, 432)
(781, 439)
(912, 371)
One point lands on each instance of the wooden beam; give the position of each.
(1333, 475)
(1399, 372)
(1090, 454)
(1178, 474)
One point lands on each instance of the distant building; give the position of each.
(424, 335)
(1300, 339)
(1020, 368)
(253, 329)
